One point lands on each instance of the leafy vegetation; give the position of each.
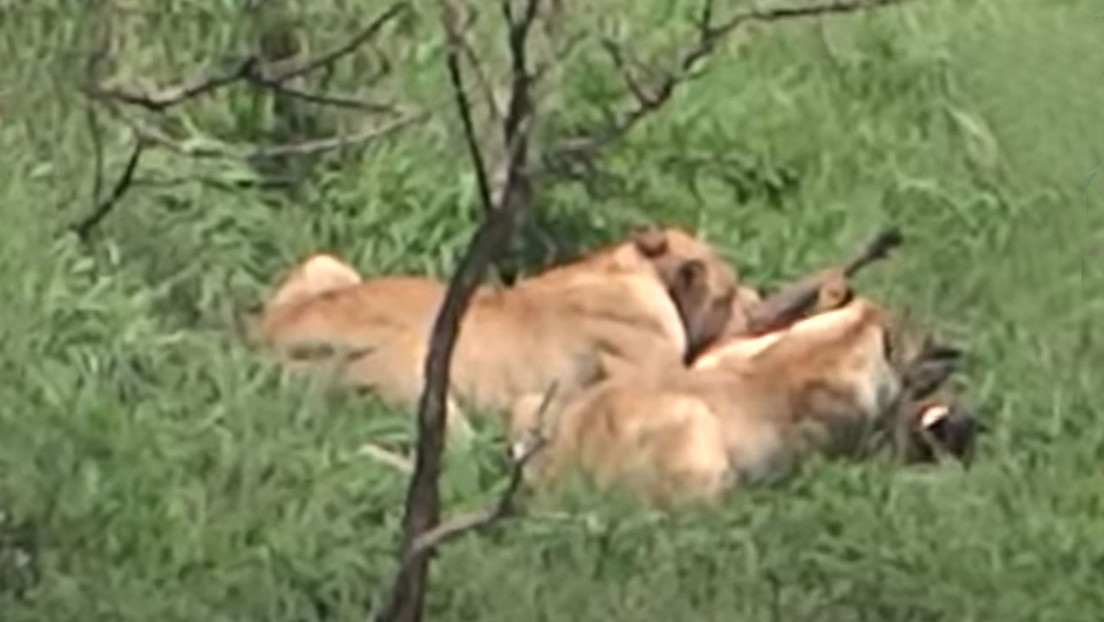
(153, 466)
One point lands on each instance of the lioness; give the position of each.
(746, 411)
(655, 300)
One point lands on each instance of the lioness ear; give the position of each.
(651, 242)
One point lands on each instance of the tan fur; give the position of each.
(747, 411)
(648, 301)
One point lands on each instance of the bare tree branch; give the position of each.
(174, 95)
(617, 55)
(452, 61)
(326, 144)
(558, 56)
(535, 441)
(320, 98)
(247, 71)
(84, 227)
(485, 85)
(708, 38)
(153, 134)
(96, 135)
(406, 598)
(360, 39)
(474, 521)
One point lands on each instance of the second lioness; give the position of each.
(655, 300)
(751, 408)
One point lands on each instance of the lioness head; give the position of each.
(701, 284)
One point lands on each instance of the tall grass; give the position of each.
(152, 466)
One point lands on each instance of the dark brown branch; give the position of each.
(463, 106)
(97, 153)
(481, 77)
(427, 542)
(430, 540)
(504, 508)
(618, 57)
(247, 70)
(559, 56)
(521, 104)
(406, 598)
(154, 134)
(326, 144)
(360, 39)
(708, 38)
(84, 228)
(422, 508)
(322, 98)
(177, 94)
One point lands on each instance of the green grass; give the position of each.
(153, 467)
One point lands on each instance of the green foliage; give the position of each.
(154, 467)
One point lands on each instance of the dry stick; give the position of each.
(97, 153)
(154, 134)
(406, 599)
(709, 37)
(617, 56)
(245, 70)
(325, 144)
(148, 134)
(422, 503)
(84, 228)
(535, 442)
(360, 39)
(463, 106)
(476, 63)
(177, 94)
(321, 98)
(793, 302)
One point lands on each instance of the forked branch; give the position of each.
(247, 70)
(103, 207)
(708, 37)
(501, 213)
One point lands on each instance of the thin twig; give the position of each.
(350, 46)
(97, 153)
(536, 441)
(155, 135)
(84, 227)
(463, 106)
(406, 598)
(323, 98)
(708, 38)
(476, 521)
(177, 94)
(247, 70)
(326, 144)
(613, 49)
(493, 109)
